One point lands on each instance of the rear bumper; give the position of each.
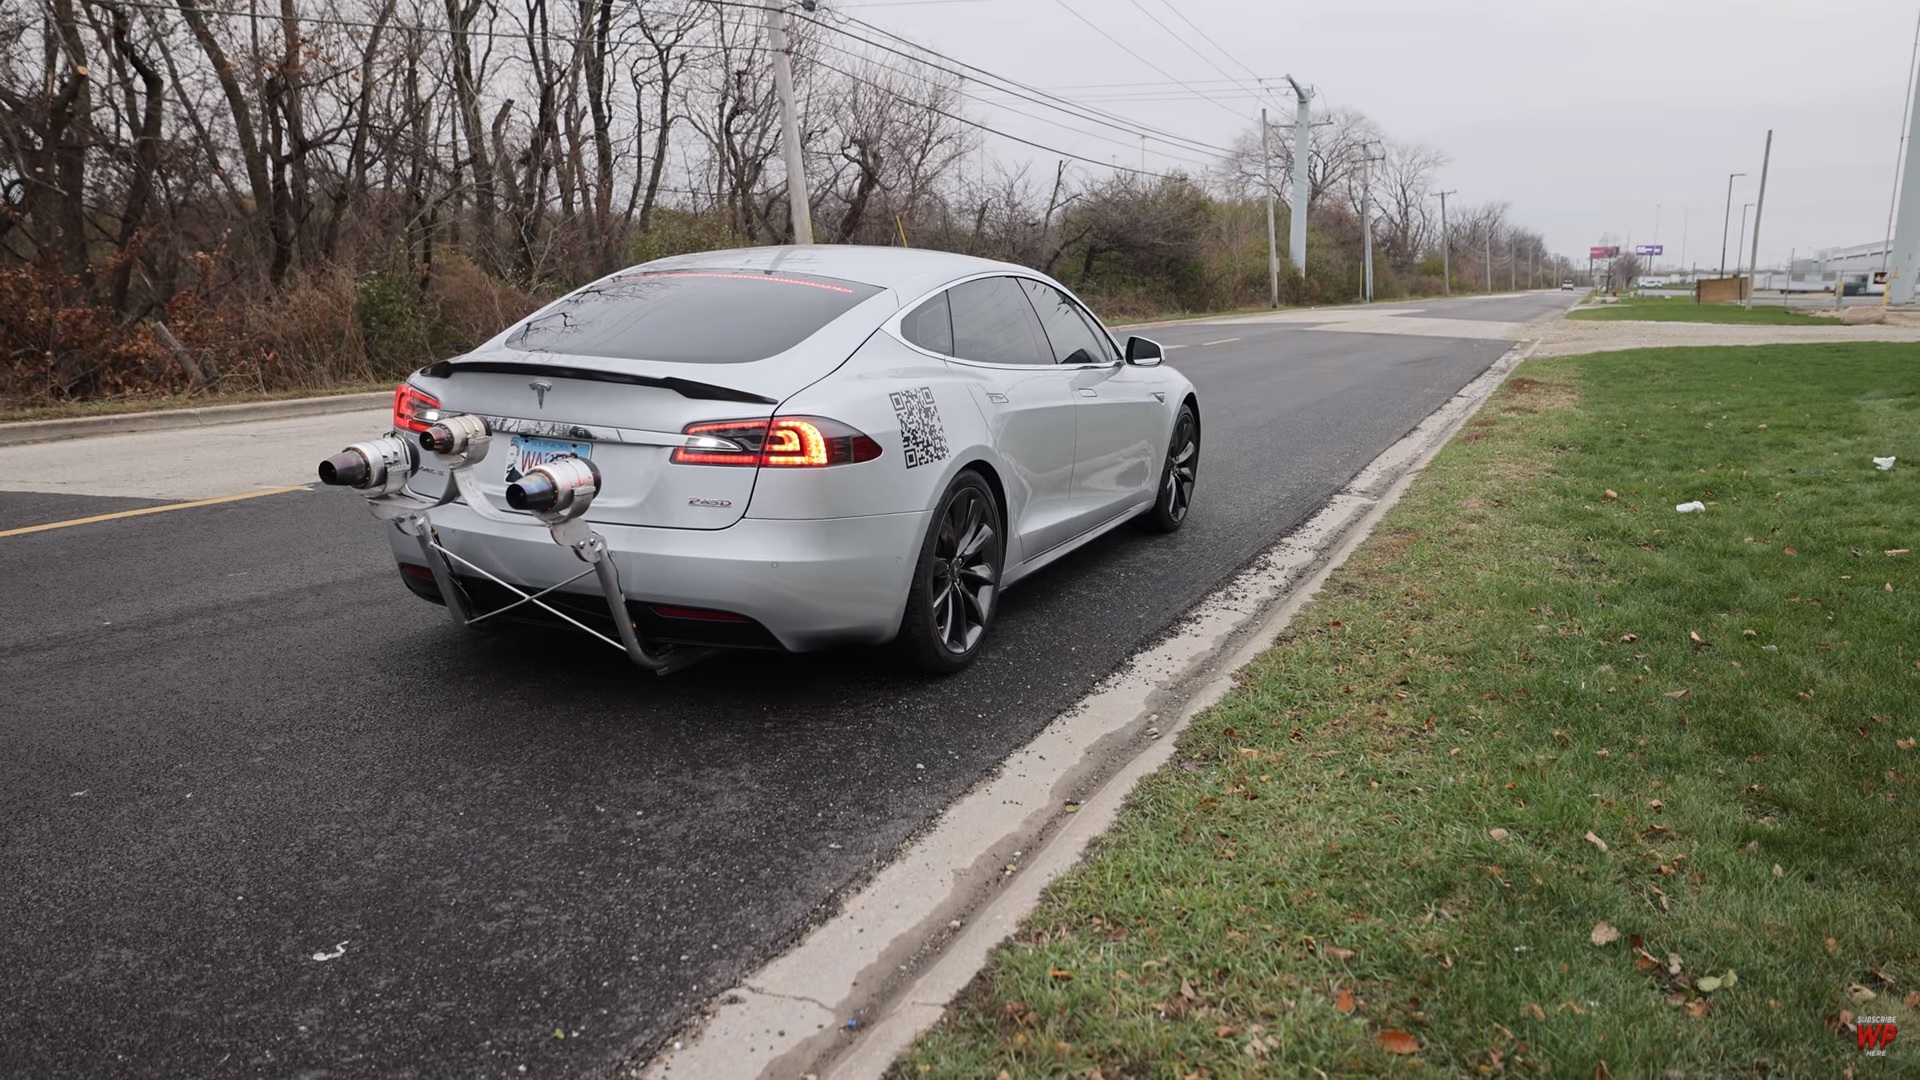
(810, 584)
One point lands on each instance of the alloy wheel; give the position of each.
(1183, 466)
(964, 573)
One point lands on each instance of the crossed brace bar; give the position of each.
(568, 527)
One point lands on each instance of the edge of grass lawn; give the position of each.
(116, 406)
(1684, 309)
(1549, 779)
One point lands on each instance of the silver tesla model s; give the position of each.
(787, 447)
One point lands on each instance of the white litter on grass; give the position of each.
(339, 950)
(1691, 507)
(1883, 463)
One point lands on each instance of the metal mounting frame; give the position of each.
(412, 514)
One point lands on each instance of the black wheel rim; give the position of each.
(965, 571)
(1183, 466)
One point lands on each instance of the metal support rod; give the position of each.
(1759, 205)
(1273, 247)
(797, 198)
(1446, 272)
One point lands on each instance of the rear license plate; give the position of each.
(526, 452)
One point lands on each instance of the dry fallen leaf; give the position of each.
(1656, 805)
(1913, 999)
(1777, 872)
(1060, 974)
(1597, 842)
(1629, 639)
(1502, 834)
(1679, 693)
(1397, 1042)
(1610, 495)
(1833, 947)
(1698, 1008)
(1343, 1000)
(1904, 744)
(1534, 1011)
(1224, 1031)
(1789, 551)
(1893, 552)
(1603, 933)
(1338, 953)
(1860, 994)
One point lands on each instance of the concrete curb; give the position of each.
(32, 431)
(850, 996)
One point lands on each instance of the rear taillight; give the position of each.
(783, 442)
(414, 409)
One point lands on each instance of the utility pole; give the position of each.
(1366, 221)
(797, 199)
(1489, 258)
(1302, 155)
(1273, 247)
(1513, 267)
(1726, 220)
(1760, 204)
(1903, 271)
(1446, 274)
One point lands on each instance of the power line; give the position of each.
(1008, 108)
(1045, 97)
(1183, 41)
(1102, 32)
(956, 117)
(1210, 41)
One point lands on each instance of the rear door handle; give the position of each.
(997, 399)
(1087, 392)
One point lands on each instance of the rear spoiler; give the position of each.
(687, 388)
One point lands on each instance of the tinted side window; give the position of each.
(930, 326)
(1073, 341)
(993, 323)
(691, 316)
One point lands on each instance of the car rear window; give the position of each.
(691, 316)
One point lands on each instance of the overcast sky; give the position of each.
(1589, 118)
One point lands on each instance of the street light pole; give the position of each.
(1446, 273)
(797, 201)
(1725, 220)
(1489, 258)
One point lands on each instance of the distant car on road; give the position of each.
(789, 447)
(1566, 286)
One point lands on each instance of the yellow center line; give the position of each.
(1222, 341)
(151, 510)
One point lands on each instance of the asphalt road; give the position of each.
(234, 745)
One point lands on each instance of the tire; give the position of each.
(956, 580)
(1178, 474)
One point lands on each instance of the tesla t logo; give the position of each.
(540, 392)
(1875, 1034)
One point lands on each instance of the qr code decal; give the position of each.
(922, 438)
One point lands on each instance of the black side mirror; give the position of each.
(1144, 352)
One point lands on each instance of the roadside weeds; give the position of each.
(1550, 779)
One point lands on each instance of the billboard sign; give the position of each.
(1603, 252)
(1649, 249)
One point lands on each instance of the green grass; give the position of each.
(68, 409)
(1683, 309)
(1536, 642)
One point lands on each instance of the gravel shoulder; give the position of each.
(1565, 337)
